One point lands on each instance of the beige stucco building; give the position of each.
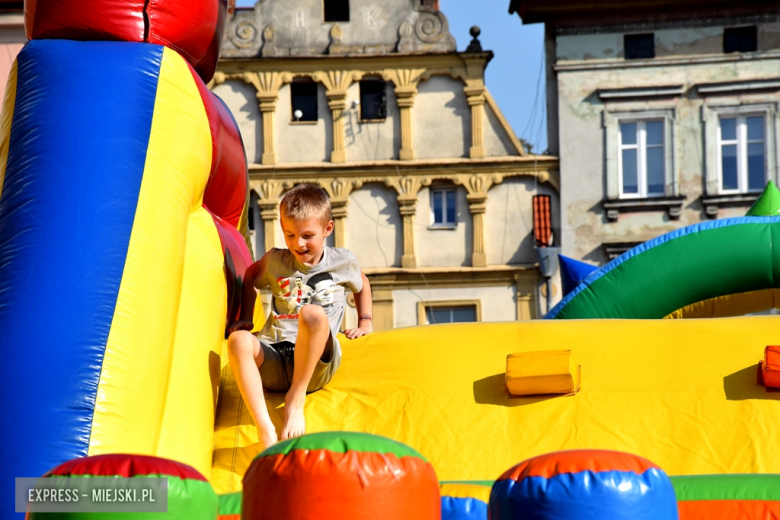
(663, 114)
(429, 185)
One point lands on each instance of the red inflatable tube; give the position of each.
(193, 28)
(226, 192)
(237, 259)
(121, 465)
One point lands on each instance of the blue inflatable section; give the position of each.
(587, 495)
(79, 134)
(573, 272)
(454, 508)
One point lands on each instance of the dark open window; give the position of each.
(373, 99)
(740, 39)
(8, 6)
(336, 10)
(304, 101)
(639, 46)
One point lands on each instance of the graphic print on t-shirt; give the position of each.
(294, 294)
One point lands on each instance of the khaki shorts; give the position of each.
(277, 369)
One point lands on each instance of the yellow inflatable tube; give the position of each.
(681, 393)
(158, 384)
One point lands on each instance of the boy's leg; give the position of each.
(313, 332)
(246, 357)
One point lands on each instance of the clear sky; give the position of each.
(515, 77)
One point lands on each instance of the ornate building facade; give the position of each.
(430, 187)
(663, 114)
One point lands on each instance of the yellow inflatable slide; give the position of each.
(681, 393)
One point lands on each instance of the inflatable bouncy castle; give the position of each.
(122, 224)
(123, 239)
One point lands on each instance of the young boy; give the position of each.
(297, 350)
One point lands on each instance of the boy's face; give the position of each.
(305, 238)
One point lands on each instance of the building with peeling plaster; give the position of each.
(663, 114)
(429, 185)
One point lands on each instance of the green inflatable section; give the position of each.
(768, 204)
(687, 266)
(341, 442)
(683, 267)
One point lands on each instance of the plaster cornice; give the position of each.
(367, 63)
(545, 168)
(701, 59)
(394, 278)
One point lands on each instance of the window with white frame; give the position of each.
(458, 314)
(641, 159)
(443, 207)
(639, 153)
(448, 311)
(742, 151)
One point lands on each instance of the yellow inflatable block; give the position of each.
(681, 393)
(542, 372)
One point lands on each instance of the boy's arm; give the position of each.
(364, 307)
(253, 277)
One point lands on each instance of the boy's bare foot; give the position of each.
(267, 435)
(294, 422)
(268, 440)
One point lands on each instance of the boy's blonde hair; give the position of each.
(305, 201)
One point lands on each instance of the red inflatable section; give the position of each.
(193, 28)
(575, 461)
(226, 192)
(327, 485)
(237, 259)
(125, 466)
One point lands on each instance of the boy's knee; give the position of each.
(313, 316)
(241, 343)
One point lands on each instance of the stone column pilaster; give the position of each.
(269, 212)
(405, 100)
(268, 192)
(268, 110)
(476, 99)
(408, 207)
(339, 214)
(337, 102)
(477, 207)
(526, 297)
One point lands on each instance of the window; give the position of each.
(740, 39)
(304, 101)
(373, 100)
(632, 148)
(641, 159)
(435, 315)
(336, 10)
(742, 146)
(443, 211)
(448, 311)
(639, 46)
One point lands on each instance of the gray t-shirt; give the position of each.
(294, 285)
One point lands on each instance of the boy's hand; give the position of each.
(358, 332)
(240, 325)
